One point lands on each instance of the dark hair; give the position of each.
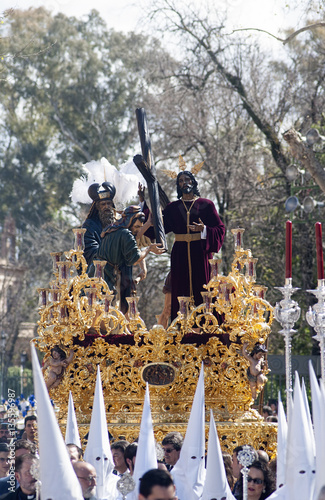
(154, 477)
(120, 445)
(258, 348)
(29, 417)
(272, 418)
(4, 447)
(269, 481)
(194, 182)
(174, 438)
(23, 444)
(19, 462)
(267, 409)
(141, 217)
(227, 461)
(80, 452)
(60, 351)
(130, 452)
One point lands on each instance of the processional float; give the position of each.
(79, 329)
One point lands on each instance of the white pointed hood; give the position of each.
(98, 452)
(300, 470)
(216, 484)
(59, 481)
(189, 471)
(281, 445)
(305, 400)
(71, 432)
(146, 457)
(318, 405)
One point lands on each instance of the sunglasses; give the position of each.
(255, 480)
(168, 450)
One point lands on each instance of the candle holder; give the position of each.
(107, 304)
(184, 306)
(245, 457)
(238, 238)
(315, 317)
(64, 270)
(251, 269)
(207, 300)
(215, 266)
(56, 257)
(43, 297)
(99, 268)
(287, 312)
(91, 296)
(133, 307)
(79, 241)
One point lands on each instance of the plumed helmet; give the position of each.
(107, 194)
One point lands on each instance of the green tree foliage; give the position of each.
(68, 93)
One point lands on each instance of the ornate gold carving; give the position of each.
(79, 316)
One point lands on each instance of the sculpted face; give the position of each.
(136, 227)
(185, 183)
(105, 212)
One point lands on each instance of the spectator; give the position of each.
(157, 484)
(27, 482)
(260, 482)
(4, 460)
(266, 412)
(172, 445)
(86, 474)
(118, 448)
(263, 456)
(236, 467)
(129, 456)
(31, 428)
(75, 452)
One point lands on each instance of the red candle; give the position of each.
(319, 251)
(288, 249)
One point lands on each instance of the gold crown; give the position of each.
(182, 166)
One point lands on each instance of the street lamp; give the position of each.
(23, 359)
(3, 340)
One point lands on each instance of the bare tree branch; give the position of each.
(290, 37)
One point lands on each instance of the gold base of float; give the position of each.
(76, 313)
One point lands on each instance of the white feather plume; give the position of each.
(125, 180)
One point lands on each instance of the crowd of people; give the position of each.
(261, 478)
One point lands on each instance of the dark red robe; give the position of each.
(201, 250)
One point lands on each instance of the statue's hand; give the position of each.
(197, 227)
(156, 248)
(141, 191)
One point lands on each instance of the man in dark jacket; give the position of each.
(24, 466)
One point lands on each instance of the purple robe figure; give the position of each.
(191, 250)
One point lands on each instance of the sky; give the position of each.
(127, 15)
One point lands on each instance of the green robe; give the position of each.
(119, 248)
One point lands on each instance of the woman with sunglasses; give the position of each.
(260, 482)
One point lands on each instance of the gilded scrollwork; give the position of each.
(76, 313)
